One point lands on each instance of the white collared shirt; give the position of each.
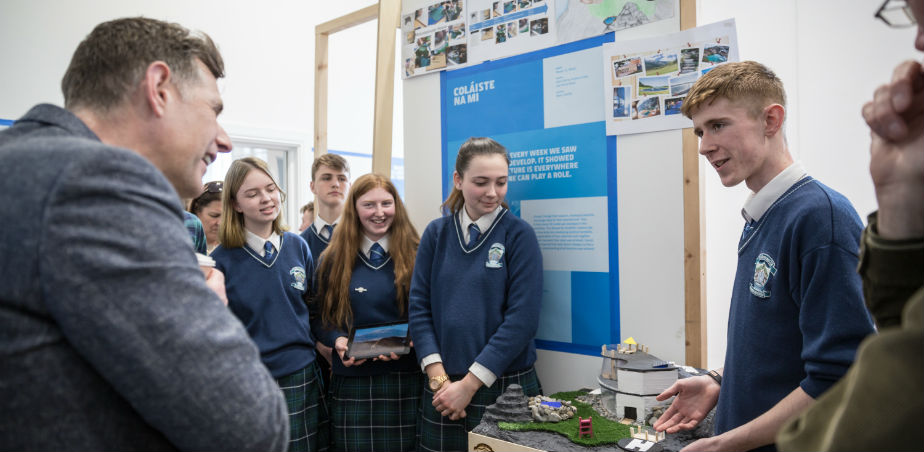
(256, 243)
(319, 224)
(367, 243)
(757, 203)
(484, 223)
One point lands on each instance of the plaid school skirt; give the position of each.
(375, 413)
(438, 433)
(308, 418)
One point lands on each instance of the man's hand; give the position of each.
(898, 103)
(896, 119)
(696, 396)
(215, 280)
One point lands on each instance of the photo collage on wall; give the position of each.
(652, 84)
(501, 28)
(434, 37)
(507, 20)
(647, 80)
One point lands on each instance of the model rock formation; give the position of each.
(511, 406)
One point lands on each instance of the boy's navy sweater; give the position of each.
(267, 298)
(316, 243)
(469, 311)
(373, 300)
(802, 326)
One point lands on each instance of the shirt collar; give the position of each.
(256, 243)
(484, 223)
(758, 203)
(366, 244)
(319, 224)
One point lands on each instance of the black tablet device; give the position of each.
(382, 339)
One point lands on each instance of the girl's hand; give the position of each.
(341, 346)
(390, 357)
(453, 397)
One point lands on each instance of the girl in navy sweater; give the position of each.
(363, 279)
(475, 299)
(266, 275)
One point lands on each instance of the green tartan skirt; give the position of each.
(438, 433)
(375, 413)
(308, 418)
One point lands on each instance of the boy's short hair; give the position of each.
(306, 207)
(748, 83)
(331, 161)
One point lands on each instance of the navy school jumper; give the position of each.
(267, 298)
(480, 304)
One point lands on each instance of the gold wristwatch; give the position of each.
(437, 382)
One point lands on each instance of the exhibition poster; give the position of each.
(545, 108)
(646, 81)
(579, 19)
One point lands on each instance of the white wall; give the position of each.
(268, 49)
(831, 54)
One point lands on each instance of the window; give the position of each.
(281, 159)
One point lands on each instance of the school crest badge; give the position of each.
(298, 274)
(495, 254)
(764, 268)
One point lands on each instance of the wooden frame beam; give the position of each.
(388, 13)
(694, 253)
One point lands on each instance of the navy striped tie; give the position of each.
(269, 250)
(376, 255)
(473, 233)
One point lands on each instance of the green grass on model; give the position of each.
(605, 430)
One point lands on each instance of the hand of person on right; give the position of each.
(696, 396)
(897, 159)
(897, 104)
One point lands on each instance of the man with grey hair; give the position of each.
(111, 337)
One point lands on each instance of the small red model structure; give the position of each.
(585, 427)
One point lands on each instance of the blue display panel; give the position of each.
(545, 108)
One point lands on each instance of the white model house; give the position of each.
(631, 379)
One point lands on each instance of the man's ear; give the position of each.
(774, 116)
(157, 86)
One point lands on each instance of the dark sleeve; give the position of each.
(122, 282)
(196, 233)
(885, 382)
(832, 317)
(420, 314)
(891, 270)
(524, 300)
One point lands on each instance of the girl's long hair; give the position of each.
(473, 147)
(336, 262)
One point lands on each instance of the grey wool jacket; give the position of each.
(109, 337)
